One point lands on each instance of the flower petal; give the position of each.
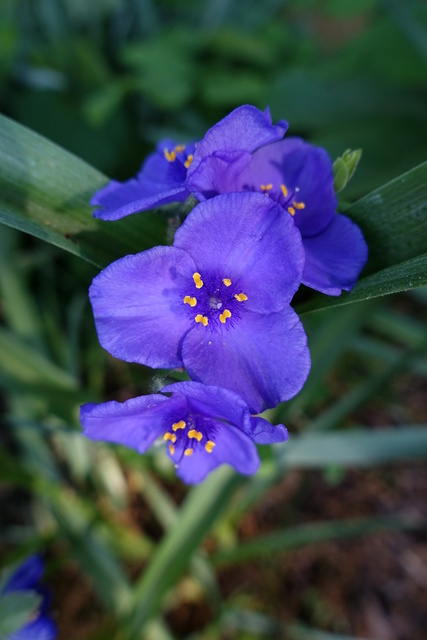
(41, 629)
(213, 401)
(158, 182)
(263, 357)
(262, 432)
(296, 163)
(335, 257)
(232, 447)
(138, 308)
(136, 423)
(26, 575)
(246, 237)
(218, 173)
(244, 129)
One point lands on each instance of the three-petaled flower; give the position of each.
(216, 302)
(26, 578)
(202, 426)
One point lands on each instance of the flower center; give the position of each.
(284, 196)
(184, 437)
(214, 299)
(179, 154)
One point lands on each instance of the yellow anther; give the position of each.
(223, 316)
(299, 205)
(202, 319)
(195, 434)
(190, 300)
(198, 280)
(179, 148)
(291, 211)
(227, 282)
(179, 425)
(209, 446)
(188, 452)
(170, 436)
(266, 187)
(188, 161)
(170, 155)
(171, 449)
(284, 190)
(241, 297)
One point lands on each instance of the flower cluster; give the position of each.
(26, 579)
(217, 302)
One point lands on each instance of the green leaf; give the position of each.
(45, 191)
(16, 609)
(344, 168)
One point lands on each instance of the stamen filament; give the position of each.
(190, 300)
(198, 280)
(179, 425)
(223, 316)
(209, 446)
(241, 297)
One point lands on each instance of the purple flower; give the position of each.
(161, 180)
(216, 302)
(203, 427)
(296, 175)
(26, 578)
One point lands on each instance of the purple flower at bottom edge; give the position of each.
(217, 302)
(203, 426)
(161, 180)
(26, 578)
(295, 174)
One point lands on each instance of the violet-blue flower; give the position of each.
(216, 302)
(160, 180)
(300, 178)
(27, 578)
(203, 426)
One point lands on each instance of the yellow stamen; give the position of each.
(299, 205)
(198, 280)
(170, 436)
(223, 316)
(188, 161)
(179, 425)
(170, 155)
(241, 297)
(291, 211)
(266, 187)
(179, 148)
(227, 282)
(284, 190)
(188, 452)
(209, 446)
(202, 319)
(190, 300)
(171, 449)
(195, 434)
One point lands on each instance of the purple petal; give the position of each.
(137, 305)
(158, 182)
(295, 163)
(232, 447)
(244, 129)
(136, 423)
(41, 629)
(218, 173)
(26, 576)
(263, 357)
(214, 401)
(335, 257)
(262, 432)
(246, 237)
